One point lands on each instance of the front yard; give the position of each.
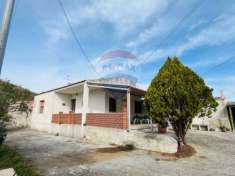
(56, 155)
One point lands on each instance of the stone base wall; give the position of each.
(155, 142)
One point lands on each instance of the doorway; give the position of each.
(233, 115)
(73, 105)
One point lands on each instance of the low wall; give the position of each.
(153, 142)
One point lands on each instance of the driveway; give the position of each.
(56, 155)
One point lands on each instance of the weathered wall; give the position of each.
(218, 119)
(18, 120)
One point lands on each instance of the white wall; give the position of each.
(55, 103)
(42, 121)
(218, 119)
(97, 101)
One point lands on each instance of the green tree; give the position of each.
(12, 98)
(177, 95)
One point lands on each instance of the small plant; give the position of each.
(224, 129)
(3, 132)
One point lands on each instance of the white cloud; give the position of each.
(164, 24)
(208, 62)
(219, 32)
(158, 29)
(197, 24)
(215, 34)
(225, 83)
(56, 31)
(124, 16)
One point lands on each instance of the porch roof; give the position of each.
(77, 87)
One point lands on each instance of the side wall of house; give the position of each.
(218, 119)
(56, 102)
(42, 121)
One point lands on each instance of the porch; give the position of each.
(100, 105)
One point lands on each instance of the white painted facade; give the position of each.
(94, 100)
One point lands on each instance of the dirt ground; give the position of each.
(56, 155)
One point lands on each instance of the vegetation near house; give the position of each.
(11, 159)
(12, 98)
(177, 95)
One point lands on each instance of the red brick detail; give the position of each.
(125, 114)
(108, 120)
(68, 118)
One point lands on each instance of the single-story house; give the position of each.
(108, 103)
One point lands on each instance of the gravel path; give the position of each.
(55, 155)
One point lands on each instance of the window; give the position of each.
(112, 105)
(41, 106)
(138, 107)
(73, 105)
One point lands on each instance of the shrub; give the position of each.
(3, 132)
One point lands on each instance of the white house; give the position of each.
(107, 103)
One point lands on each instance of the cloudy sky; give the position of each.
(43, 54)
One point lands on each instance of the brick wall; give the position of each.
(109, 120)
(70, 118)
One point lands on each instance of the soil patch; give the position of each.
(187, 151)
(120, 148)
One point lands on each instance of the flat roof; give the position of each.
(132, 88)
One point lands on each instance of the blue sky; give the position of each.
(42, 54)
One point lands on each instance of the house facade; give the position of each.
(105, 103)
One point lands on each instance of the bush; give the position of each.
(11, 159)
(3, 132)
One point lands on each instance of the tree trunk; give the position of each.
(180, 128)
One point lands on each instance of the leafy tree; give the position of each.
(177, 95)
(12, 98)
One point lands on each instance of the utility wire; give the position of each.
(75, 36)
(229, 60)
(175, 29)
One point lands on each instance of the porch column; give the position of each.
(85, 107)
(129, 108)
